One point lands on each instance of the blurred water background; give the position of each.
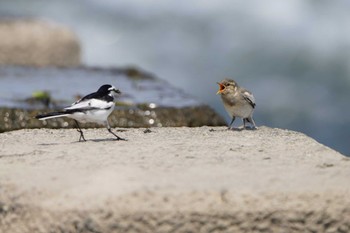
(294, 55)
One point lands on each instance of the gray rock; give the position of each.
(37, 43)
(142, 116)
(146, 101)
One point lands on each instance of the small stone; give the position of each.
(147, 130)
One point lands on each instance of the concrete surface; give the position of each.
(205, 179)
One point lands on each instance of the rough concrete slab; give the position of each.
(34, 42)
(205, 179)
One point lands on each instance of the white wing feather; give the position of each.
(249, 97)
(91, 104)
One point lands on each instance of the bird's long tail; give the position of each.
(51, 115)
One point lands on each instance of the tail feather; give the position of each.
(51, 115)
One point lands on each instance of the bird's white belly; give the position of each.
(242, 111)
(99, 116)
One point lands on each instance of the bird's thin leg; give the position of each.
(244, 122)
(81, 138)
(251, 120)
(110, 130)
(233, 119)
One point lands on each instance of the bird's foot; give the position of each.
(117, 137)
(234, 129)
(81, 138)
(120, 139)
(253, 127)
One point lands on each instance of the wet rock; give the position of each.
(37, 43)
(146, 100)
(65, 85)
(14, 118)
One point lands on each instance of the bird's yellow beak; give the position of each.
(221, 88)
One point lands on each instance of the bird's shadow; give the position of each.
(101, 140)
(49, 144)
(89, 140)
(235, 129)
(239, 129)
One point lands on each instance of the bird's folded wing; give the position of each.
(90, 105)
(249, 98)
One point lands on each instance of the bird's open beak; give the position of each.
(221, 88)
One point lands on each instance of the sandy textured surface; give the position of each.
(205, 179)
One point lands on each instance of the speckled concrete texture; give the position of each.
(205, 179)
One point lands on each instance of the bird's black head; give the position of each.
(105, 89)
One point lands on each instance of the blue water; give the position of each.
(294, 55)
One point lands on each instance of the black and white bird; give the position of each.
(238, 101)
(95, 108)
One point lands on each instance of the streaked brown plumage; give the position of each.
(238, 101)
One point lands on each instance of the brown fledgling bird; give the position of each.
(238, 102)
